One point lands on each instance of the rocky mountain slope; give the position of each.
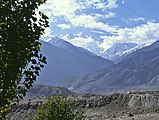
(138, 70)
(66, 61)
(117, 106)
(45, 91)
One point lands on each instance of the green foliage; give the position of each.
(20, 30)
(58, 108)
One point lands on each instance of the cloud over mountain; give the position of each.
(104, 22)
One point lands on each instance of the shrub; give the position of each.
(58, 108)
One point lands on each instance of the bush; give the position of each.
(58, 108)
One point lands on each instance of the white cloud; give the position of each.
(101, 4)
(68, 10)
(48, 34)
(104, 16)
(143, 34)
(89, 21)
(97, 31)
(123, 1)
(112, 4)
(64, 26)
(110, 15)
(139, 19)
(86, 42)
(81, 42)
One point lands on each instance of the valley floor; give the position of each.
(152, 116)
(128, 106)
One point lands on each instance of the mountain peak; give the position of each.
(119, 49)
(66, 60)
(57, 41)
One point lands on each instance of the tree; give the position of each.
(21, 26)
(58, 108)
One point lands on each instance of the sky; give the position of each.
(98, 24)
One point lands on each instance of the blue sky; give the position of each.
(98, 24)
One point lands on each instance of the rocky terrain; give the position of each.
(45, 91)
(37, 95)
(128, 106)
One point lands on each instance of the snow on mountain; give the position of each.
(68, 46)
(72, 36)
(60, 43)
(119, 49)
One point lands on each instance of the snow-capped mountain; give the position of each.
(115, 53)
(119, 49)
(72, 36)
(60, 43)
(68, 46)
(93, 44)
(138, 70)
(66, 60)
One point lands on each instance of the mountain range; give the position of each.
(113, 53)
(66, 60)
(84, 72)
(139, 69)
